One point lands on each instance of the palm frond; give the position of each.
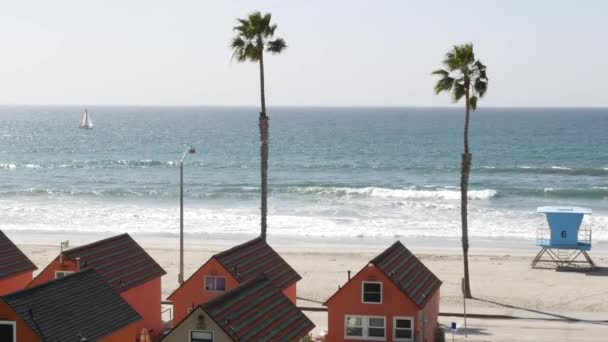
(276, 46)
(444, 84)
(441, 73)
(458, 91)
(480, 86)
(473, 102)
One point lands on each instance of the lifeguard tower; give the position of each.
(566, 239)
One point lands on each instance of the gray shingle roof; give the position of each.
(407, 272)
(258, 311)
(78, 305)
(255, 257)
(119, 260)
(12, 259)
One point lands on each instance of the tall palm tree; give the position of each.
(463, 76)
(254, 36)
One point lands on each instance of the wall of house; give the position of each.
(126, 334)
(145, 299)
(348, 301)
(24, 333)
(197, 320)
(15, 282)
(431, 313)
(291, 292)
(48, 273)
(193, 293)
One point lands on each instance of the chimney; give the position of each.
(348, 274)
(78, 264)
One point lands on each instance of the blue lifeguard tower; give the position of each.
(566, 238)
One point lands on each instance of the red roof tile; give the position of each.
(119, 260)
(12, 259)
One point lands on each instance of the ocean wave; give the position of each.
(411, 193)
(95, 164)
(598, 192)
(8, 166)
(550, 170)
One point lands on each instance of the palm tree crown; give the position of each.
(254, 35)
(461, 71)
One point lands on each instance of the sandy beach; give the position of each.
(502, 281)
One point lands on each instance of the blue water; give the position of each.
(333, 171)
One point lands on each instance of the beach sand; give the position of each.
(502, 280)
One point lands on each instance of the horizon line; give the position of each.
(306, 106)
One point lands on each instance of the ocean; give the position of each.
(334, 172)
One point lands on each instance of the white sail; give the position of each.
(86, 120)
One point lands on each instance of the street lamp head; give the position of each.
(192, 150)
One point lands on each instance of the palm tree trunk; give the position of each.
(464, 188)
(264, 136)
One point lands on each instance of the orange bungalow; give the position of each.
(228, 269)
(252, 311)
(128, 269)
(79, 307)
(16, 270)
(393, 298)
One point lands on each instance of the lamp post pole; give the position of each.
(180, 277)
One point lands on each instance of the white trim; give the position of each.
(14, 324)
(364, 328)
(395, 318)
(65, 273)
(213, 276)
(199, 330)
(363, 291)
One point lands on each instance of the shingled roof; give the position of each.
(407, 272)
(12, 259)
(255, 257)
(258, 311)
(119, 260)
(82, 304)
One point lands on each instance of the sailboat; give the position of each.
(86, 123)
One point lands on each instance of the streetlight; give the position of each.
(180, 277)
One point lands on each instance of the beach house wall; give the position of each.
(16, 270)
(126, 266)
(393, 298)
(228, 269)
(82, 305)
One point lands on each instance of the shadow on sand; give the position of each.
(553, 316)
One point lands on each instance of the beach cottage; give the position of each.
(253, 311)
(128, 269)
(228, 269)
(16, 270)
(78, 307)
(393, 298)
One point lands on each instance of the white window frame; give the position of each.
(400, 339)
(363, 291)
(65, 273)
(198, 330)
(14, 324)
(212, 276)
(365, 328)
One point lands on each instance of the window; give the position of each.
(8, 331)
(201, 336)
(213, 283)
(403, 328)
(363, 327)
(61, 274)
(372, 292)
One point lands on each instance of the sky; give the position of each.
(340, 53)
